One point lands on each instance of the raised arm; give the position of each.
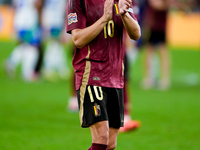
(132, 27)
(82, 37)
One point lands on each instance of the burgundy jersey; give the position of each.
(100, 62)
(158, 18)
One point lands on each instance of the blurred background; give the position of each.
(36, 78)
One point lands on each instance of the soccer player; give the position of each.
(53, 23)
(130, 58)
(129, 124)
(26, 25)
(157, 17)
(97, 31)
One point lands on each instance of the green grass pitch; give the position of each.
(33, 116)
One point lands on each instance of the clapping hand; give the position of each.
(108, 9)
(124, 6)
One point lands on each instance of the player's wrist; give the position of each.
(104, 19)
(124, 14)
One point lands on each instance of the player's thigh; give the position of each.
(92, 102)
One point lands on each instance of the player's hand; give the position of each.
(108, 7)
(124, 6)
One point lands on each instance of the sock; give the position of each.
(96, 146)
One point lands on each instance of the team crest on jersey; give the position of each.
(97, 110)
(72, 18)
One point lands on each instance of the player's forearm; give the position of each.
(132, 27)
(82, 37)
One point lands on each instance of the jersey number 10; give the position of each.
(109, 29)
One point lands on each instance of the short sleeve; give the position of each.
(76, 18)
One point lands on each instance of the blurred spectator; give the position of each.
(129, 124)
(130, 58)
(157, 67)
(156, 19)
(53, 23)
(142, 6)
(26, 25)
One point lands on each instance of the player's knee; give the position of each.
(104, 138)
(112, 146)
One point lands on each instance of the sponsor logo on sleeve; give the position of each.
(72, 18)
